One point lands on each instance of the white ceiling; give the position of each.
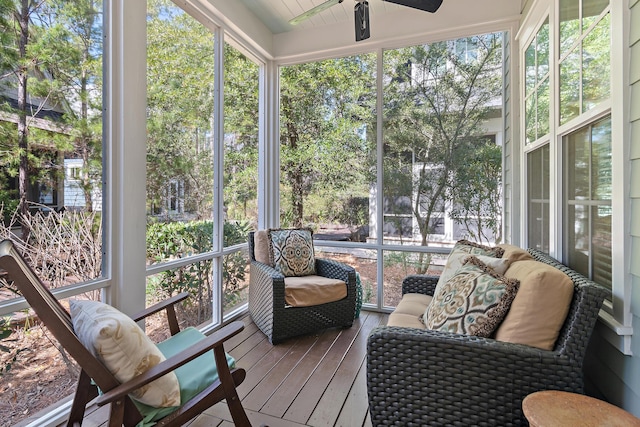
(332, 32)
(275, 14)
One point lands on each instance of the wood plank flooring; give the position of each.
(316, 380)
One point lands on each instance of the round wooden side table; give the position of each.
(552, 408)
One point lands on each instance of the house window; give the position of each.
(587, 243)
(538, 198)
(584, 84)
(588, 212)
(537, 85)
(74, 172)
(585, 44)
(466, 49)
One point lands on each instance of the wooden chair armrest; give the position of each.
(167, 305)
(214, 341)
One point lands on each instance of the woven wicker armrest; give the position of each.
(424, 377)
(336, 270)
(267, 283)
(419, 284)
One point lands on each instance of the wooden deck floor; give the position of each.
(316, 380)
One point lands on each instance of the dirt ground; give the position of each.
(41, 374)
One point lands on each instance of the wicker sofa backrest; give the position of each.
(587, 300)
(252, 255)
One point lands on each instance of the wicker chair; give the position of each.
(422, 377)
(280, 321)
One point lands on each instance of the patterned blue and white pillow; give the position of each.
(292, 251)
(472, 302)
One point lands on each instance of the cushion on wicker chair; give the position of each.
(292, 252)
(408, 313)
(540, 307)
(305, 291)
(261, 245)
(473, 302)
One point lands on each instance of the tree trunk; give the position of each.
(22, 18)
(296, 179)
(85, 138)
(297, 202)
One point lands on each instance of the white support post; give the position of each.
(125, 152)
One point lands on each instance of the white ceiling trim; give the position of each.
(391, 25)
(233, 17)
(403, 27)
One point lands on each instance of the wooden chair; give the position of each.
(95, 375)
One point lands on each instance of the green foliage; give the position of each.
(477, 194)
(180, 90)
(437, 99)
(57, 64)
(410, 262)
(8, 205)
(5, 332)
(166, 241)
(326, 109)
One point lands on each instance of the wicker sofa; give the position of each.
(429, 378)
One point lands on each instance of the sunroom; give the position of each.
(216, 118)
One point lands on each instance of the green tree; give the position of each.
(75, 28)
(325, 108)
(437, 98)
(241, 79)
(50, 61)
(180, 88)
(476, 193)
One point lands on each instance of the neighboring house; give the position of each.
(47, 191)
(399, 222)
(73, 195)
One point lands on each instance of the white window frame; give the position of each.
(615, 317)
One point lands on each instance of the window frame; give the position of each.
(615, 316)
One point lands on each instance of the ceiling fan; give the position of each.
(361, 12)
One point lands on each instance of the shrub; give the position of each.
(174, 240)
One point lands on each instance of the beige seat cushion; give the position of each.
(515, 253)
(408, 311)
(261, 247)
(540, 307)
(305, 291)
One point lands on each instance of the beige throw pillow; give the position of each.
(116, 340)
(499, 265)
(515, 253)
(540, 307)
(261, 247)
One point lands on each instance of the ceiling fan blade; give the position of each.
(427, 5)
(313, 11)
